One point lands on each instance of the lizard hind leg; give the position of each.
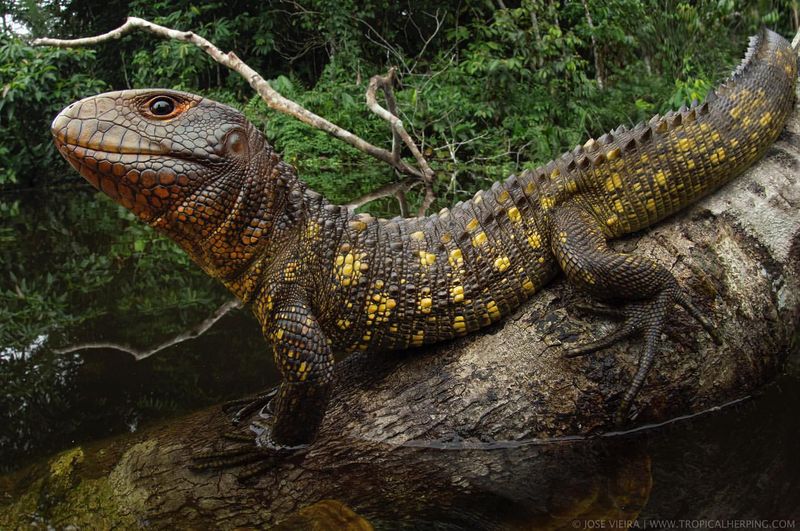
(647, 289)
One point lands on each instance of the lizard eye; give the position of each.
(162, 106)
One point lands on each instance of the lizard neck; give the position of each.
(250, 220)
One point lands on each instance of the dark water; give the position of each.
(74, 268)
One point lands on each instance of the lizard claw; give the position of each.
(242, 408)
(254, 455)
(647, 317)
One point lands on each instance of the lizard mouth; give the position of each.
(128, 178)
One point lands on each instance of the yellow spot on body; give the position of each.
(618, 206)
(735, 112)
(547, 202)
(457, 292)
(612, 220)
(459, 325)
(503, 197)
(455, 258)
(390, 304)
(302, 366)
(767, 118)
(426, 259)
(502, 263)
(683, 144)
(650, 205)
(528, 286)
(372, 308)
(418, 337)
(479, 239)
(690, 164)
(613, 182)
(661, 178)
(279, 333)
(534, 240)
(418, 236)
(715, 136)
(493, 310)
(472, 225)
(555, 173)
(344, 324)
(718, 156)
(349, 267)
(514, 215)
(613, 154)
(425, 304)
(312, 230)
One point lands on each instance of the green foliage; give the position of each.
(34, 88)
(107, 262)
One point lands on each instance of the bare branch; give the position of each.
(386, 84)
(389, 190)
(140, 354)
(272, 98)
(426, 41)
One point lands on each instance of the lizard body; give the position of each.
(322, 279)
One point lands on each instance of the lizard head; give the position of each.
(175, 159)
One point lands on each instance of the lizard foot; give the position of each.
(255, 455)
(242, 408)
(646, 317)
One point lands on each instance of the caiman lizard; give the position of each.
(323, 279)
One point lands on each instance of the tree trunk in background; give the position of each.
(383, 449)
(597, 50)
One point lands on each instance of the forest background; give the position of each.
(488, 88)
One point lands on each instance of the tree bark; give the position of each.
(507, 399)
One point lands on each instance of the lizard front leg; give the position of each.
(297, 407)
(649, 290)
(306, 363)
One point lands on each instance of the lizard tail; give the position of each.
(673, 160)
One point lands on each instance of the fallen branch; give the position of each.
(140, 354)
(270, 96)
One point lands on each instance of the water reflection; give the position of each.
(74, 269)
(736, 463)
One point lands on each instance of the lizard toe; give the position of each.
(242, 408)
(648, 318)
